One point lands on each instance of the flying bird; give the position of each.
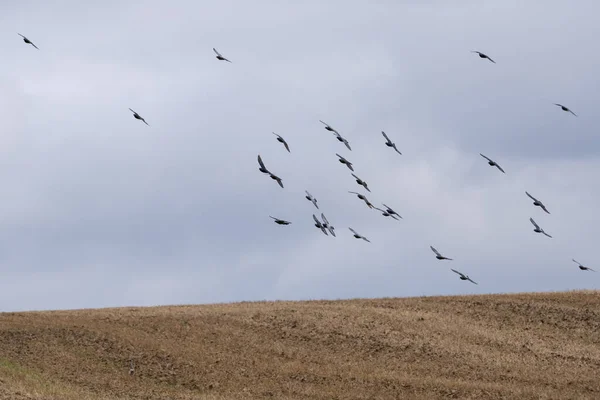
(390, 211)
(537, 228)
(582, 267)
(280, 221)
(328, 127)
(343, 140)
(358, 236)
(219, 56)
(536, 202)
(363, 198)
(311, 198)
(385, 213)
(438, 255)
(345, 162)
(483, 56)
(282, 140)
(137, 116)
(564, 108)
(389, 143)
(27, 40)
(464, 277)
(319, 225)
(361, 182)
(327, 225)
(492, 163)
(262, 168)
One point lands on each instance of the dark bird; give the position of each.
(438, 255)
(385, 213)
(564, 108)
(311, 198)
(361, 182)
(538, 203)
(492, 163)
(389, 143)
(328, 127)
(341, 139)
(280, 221)
(359, 236)
(483, 56)
(27, 40)
(327, 225)
(582, 267)
(137, 116)
(463, 277)
(282, 140)
(363, 198)
(275, 177)
(345, 162)
(537, 228)
(390, 211)
(320, 225)
(219, 56)
(262, 168)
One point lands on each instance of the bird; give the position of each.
(219, 56)
(280, 221)
(27, 40)
(137, 116)
(346, 162)
(327, 225)
(536, 202)
(385, 213)
(363, 198)
(282, 140)
(262, 168)
(390, 211)
(389, 143)
(537, 228)
(343, 140)
(361, 182)
(275, 177)
(319, 225)
(328, 127)
(358, 236)
(438, 255)
(492, 163)
(463, 276)
(483, 56)
(311, 198)
(564, 108)
(581, 267)
(131, 367)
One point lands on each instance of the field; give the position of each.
(518, 346)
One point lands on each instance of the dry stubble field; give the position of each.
(523, 346)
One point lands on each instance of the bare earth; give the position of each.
(524, 346)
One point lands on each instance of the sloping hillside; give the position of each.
(526, 346)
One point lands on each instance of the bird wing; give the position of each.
(308, 194)
(286, 146)
(324, 219)
(393, 216)
(500, 168)
(357, 178)
(132, 111)
(279, 136)
(435, 251)
(490, 59)
(544, 208)
(365, 239)
(458, 272)
(530, 196)
(274, 218)
(347, 144)
(356, 193)
(379, 209)
(572, 113)
(386, 137)
(21, 35)
(471, 280)
(546, 234)
(487, 158)
(215, 50)
(558, 104)
(33, 44)
(389, 208)
(330, 228)
(278, 179)
(353, 231)
(316, 219)
(260, 162)
(341, 158)
(578, 263)
(395, 148)
(324, 123)
(534, 224)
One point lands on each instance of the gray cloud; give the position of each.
(102, 210)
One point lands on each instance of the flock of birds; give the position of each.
(323, 224)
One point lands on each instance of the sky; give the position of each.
(100, 210)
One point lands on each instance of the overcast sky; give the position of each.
(100, 210)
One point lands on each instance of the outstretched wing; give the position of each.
(316, 220)
(353, 231)
(578, 263)
(500, 168)
(435, 251)
(308, 194)
(386, 137)
(469, 279)
(530, 196)
(356, 177)
(487, 158)
(215, 50)
(458, 272)
(341, 158)
(324, 219)
(132, 111)
(395, 148)
(260, 162)
(347, 144)
(534, 224)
